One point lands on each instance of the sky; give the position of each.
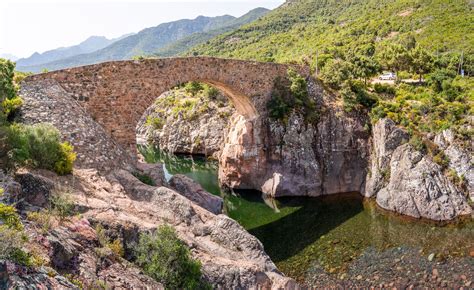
(28, 26)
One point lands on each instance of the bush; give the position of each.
(62, 205)
(164, 257)
(289, 95)
(115, 246)
(441, 159)
(39, 146)
(193, 88)
(417, 142)
(11, 243)
(384, 89)
(155, 122)
(42, 218)
(10, 217)
(66, 160)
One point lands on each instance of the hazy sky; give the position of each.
(27, 26)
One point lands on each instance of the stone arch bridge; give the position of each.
(117, 93)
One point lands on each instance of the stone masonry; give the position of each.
(116, 94)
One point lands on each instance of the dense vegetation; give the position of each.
(290, 95)
(300, 28)
(346, 43)
(163, 256)
(187, 101)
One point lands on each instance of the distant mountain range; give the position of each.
(167, 39)
(8, 56)
(91, 44)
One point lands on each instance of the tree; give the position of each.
(9, 101)
(395, 57)
(335, 72)
(421, 61)
(364, 67)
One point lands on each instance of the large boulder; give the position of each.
(194, 192)
(407, 181)
(419, 188)
(36, 189)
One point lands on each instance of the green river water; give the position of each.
(331, 231)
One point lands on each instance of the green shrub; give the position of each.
(10, 218)
(441, 159)
(62, 205)
(11, 243)
(42, 218)
(384, 89)
(39, 146)
(417, 142)
(66, 160)
(155, 122)
(115, 246)
(165, 258)
(10, 106)
(193, 88)
(289, 95)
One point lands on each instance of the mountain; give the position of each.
(8, 56)
(194, 39)
(298, 28)
(166, 39)
(91, 44)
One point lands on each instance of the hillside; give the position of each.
(144, 42)
(298, 28)
(186, 43)
(91, 44)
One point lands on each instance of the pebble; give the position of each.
(431, 257)
(435, 272)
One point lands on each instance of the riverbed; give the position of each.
(309, 237)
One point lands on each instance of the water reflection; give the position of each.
(330, 230)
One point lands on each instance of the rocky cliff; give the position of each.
(299, 158)
(180, 122)
(408, 181)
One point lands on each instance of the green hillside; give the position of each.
(298, 28)
(186, 43)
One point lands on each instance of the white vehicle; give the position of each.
(389, 76)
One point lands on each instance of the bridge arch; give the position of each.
(117, 93)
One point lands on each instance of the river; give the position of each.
(328, 232)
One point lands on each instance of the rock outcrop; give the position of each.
(13, 276)
(194, 192)
(231, 257)
(407, 181)
(461, 159)
(298, 158)
(197, 130)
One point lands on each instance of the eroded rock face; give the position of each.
(13, 276)
(409, 182)
(194, 192)
(298, 158)
(199, 130)
(461, 160)
(231, 257)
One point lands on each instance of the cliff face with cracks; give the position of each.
(297, 158)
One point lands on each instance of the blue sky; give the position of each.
(27, 26)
